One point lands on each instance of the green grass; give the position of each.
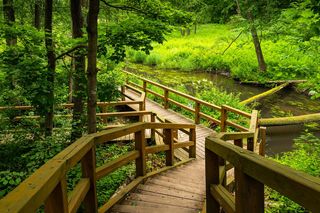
(204, 51)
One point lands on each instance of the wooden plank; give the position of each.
(157, 148)
(249, 193)
(237, 126)
(263, 136)
(225, 199)
(140, 144)
(78, 194)
(144, 209)
(181, 105)
(223, 119)
(115, 164)
(168, 140)
(237, 111)
(57, 200)
(212, 177)
(164, 201)
(298, 186)
(235, 135)
(33, 191)
(88, 168)
(183, 144)
(209, 118)
(164, 191)
(193, 148)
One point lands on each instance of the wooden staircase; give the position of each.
(181, 189)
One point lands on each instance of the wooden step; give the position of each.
(149, 209)
(163, 200)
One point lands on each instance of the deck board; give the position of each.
(181, 189)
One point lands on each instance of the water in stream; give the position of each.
(284, 103)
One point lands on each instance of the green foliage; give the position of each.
(108, 84)
(305, 157)
(9, 180)
(287, 58)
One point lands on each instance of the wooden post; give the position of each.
(197, 113)
(123, 91)
(239, 142)
(58, 199)
(153, 132)
(104, 118)
(192, 149)
(263, 136)
(140, 144)
(168, 139)
(145, 87)
(250, 144)
(223, 119)
(166, 97)
(249, 194)
(88, 165)
(212, 177)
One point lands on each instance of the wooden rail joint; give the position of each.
(48, 184)
(252, 172)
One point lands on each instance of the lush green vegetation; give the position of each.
(305, 157)
(290, 43)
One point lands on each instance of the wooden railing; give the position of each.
(198, 104)
(48, 185)
(251, 173)
(102, 105)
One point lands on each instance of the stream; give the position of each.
(286, 102)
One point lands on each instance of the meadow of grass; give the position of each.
(206, 51)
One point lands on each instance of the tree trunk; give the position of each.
(257, 46)
(92, 64)
(9, 19)
(51, 68)
(79, 92)
(37, 14)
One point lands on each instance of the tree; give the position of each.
(79, 93)
(37, 14)
(51, 57)
(9, 18)
(92, 30)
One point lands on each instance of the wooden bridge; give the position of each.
(205, 170)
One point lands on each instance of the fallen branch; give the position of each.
(232, 43)
(289, 120)
(70, 51)
(262, 95)
(274, 82)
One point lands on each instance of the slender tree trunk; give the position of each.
(257, 46)
(79, 92)
(92, 64)
(51, 67)
(9, 18)
(37, 14)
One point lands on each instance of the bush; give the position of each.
(305, 157)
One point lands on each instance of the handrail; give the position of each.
(196, 110)
(252, 172)
(47, 185)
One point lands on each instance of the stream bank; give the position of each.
(286, 102)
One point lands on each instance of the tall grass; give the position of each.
(206, 51)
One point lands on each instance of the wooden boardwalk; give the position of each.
(201, 131)
(181, 189)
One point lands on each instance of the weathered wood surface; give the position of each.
(253, 171)
(201, 131)
(180, 189)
